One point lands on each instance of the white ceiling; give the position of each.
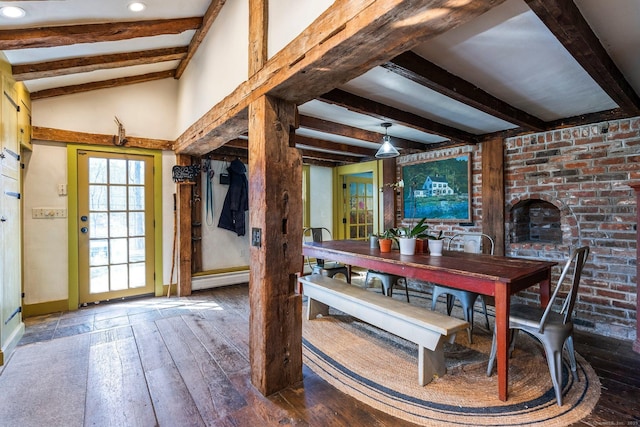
(508, 52)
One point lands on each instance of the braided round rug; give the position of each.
(381, 370)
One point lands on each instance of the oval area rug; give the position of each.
(381, 370)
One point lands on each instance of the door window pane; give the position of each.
(136, 224)
(117, 171)
(99, 280)
(99, 225)
(118, 224)
(117, 198)
(136, 172)
(98, 197)
(119, 277)
(136, 249)
(118, 251)
(136, 198)
(97, 171)
(136, 275)
(98, 252)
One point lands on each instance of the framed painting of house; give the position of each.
(438, 189)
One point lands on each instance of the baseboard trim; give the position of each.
(220, 279)
(30, 310)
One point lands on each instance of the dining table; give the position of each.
(492, 275)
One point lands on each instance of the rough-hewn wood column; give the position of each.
(389, 193)
(275, 221)
(184, 231)
(493, 192)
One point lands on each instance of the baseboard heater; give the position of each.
(215, 280)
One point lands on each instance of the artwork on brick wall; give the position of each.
(438, 189)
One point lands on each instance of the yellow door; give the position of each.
(115, 220)
(360, 208)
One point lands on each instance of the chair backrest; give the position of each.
(472, 242)
(575, 263)
(316, 237)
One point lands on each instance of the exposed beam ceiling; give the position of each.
(332, 65)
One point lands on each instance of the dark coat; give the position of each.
(236, 203)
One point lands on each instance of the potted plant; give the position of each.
(385, 240)
(407, 236)
(435, 244)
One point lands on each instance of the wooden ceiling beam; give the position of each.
(564, 20)
(333, 49)
(207, 20)
(327, 126)
(334, 146)
(419, 70)
(73, 137)
(239, 148)
(385, 113)
(105, 84)
(92, 63)
(64, 35)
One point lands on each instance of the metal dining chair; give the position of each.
(471, 243)
(554, 329)
(321, 266)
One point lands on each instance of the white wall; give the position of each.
(321, 200)
(287, 19)
(46, 276)
(218, 67)
(221, 248)
(147, 110)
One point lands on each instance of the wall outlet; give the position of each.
(48, 213)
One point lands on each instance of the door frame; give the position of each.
(72, 194)
(375, 167)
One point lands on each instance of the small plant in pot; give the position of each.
(435, 244)
(385, 240)
(407, 236)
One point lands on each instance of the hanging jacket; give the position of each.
(236, 203)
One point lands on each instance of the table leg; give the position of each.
(502, 338)
(545, 290)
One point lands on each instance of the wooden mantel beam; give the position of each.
(73, 137)
(348, 39)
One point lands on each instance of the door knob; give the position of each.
(3, 219)
(84, 230)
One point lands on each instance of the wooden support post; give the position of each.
(258, 34)
(196, 221)
(275, 218)
(184, 231)
(493, 202)
(389, 193)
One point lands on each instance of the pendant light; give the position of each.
(386, 150)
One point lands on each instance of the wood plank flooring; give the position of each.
(185, 362)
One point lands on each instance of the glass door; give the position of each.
(115, 217)
(359, 221)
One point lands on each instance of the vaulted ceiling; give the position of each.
(524, 66)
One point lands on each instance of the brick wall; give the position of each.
(585, 174)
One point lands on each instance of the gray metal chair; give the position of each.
(388, 281)
(471, 243)
(326, 268)
(554, 329)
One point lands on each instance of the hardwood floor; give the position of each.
(185, 361)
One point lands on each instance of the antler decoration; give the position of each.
(119, 139)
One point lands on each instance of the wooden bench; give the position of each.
(428, 329)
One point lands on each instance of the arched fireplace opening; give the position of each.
(536, 221)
